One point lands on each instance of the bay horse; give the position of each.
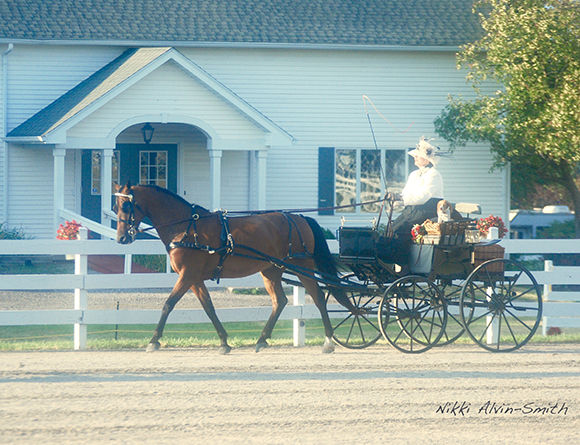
(205, 245)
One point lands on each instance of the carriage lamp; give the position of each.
(147, 132)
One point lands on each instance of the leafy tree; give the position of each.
(531, 49)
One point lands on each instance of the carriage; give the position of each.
(455, 286)
(458, 285)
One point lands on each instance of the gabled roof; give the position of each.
(111, 80)
(239, 22)
(87, 92)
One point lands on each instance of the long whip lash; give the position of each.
(383, 174)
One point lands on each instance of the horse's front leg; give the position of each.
(203, 295)
(178, 291)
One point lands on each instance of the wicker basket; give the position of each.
(486, 253)
(432, 228)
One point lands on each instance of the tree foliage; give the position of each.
(531, 50)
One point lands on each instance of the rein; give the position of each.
(228, 245)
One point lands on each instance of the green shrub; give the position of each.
(558, 230)
(157, 263)
(12, 234)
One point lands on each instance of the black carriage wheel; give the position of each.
(454, 328)
(501, 305)
(451, 287)
(413, 314)
(356, 331)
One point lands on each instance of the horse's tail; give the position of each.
(325, 262)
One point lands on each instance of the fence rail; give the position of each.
(561, 309)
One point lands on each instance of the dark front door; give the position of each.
(153, 164)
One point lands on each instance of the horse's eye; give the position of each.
(126, 207)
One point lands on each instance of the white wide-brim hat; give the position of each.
(427, 151)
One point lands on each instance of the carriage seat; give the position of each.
(468, 208)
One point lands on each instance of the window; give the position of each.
(96, 162)
(355, 176)
(153, 168)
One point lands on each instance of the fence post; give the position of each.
(492, 323)
(299, 324)
(548, 267)
(81, 268)
(128, 265)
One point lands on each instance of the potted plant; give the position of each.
(484, 224)
(68, 231)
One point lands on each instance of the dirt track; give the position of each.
(292, 395)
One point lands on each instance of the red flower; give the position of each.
(484, 225)
(418, 232)
(68, 231)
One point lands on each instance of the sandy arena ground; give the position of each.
(283, 395)
(455, 394)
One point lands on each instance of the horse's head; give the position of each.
(129, 214)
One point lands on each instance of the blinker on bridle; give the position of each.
(128, 207)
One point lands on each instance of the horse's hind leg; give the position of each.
(178, 291)
(273, 283)
(203, 295)
(317, 295)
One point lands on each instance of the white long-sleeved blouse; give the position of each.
(422, 185)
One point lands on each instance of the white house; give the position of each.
(255, 104)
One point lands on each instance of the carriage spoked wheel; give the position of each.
(446, 279)
(360, 330)
(413, 314)
(501, 305)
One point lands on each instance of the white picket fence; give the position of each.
(560, 309)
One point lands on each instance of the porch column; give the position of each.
(261, 176)
(58, 155)
(106, 181)
(215, 175)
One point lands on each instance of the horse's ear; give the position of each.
(117, 186)
(128, 185)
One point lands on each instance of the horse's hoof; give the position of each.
(328, 347)
(261, 345)
(223, 350)
(152, 347)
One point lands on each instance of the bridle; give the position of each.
(129, 207)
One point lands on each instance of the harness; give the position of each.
(227, 243)
(228, 246)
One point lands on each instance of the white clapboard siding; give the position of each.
(314, 95)
(40, 74)
(317, 97)
(30, 194)
(169, 90)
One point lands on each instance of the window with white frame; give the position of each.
(153, 168)
(96, 165)
(355, 176)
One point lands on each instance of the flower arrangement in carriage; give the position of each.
(69, 230)
(418, 233)
(484, 224)
(489, 252)
(428, 232)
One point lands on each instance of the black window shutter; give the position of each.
(325, 180)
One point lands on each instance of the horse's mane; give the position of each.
(173, 195)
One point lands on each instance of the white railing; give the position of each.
(82, 282)
(561, 310)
